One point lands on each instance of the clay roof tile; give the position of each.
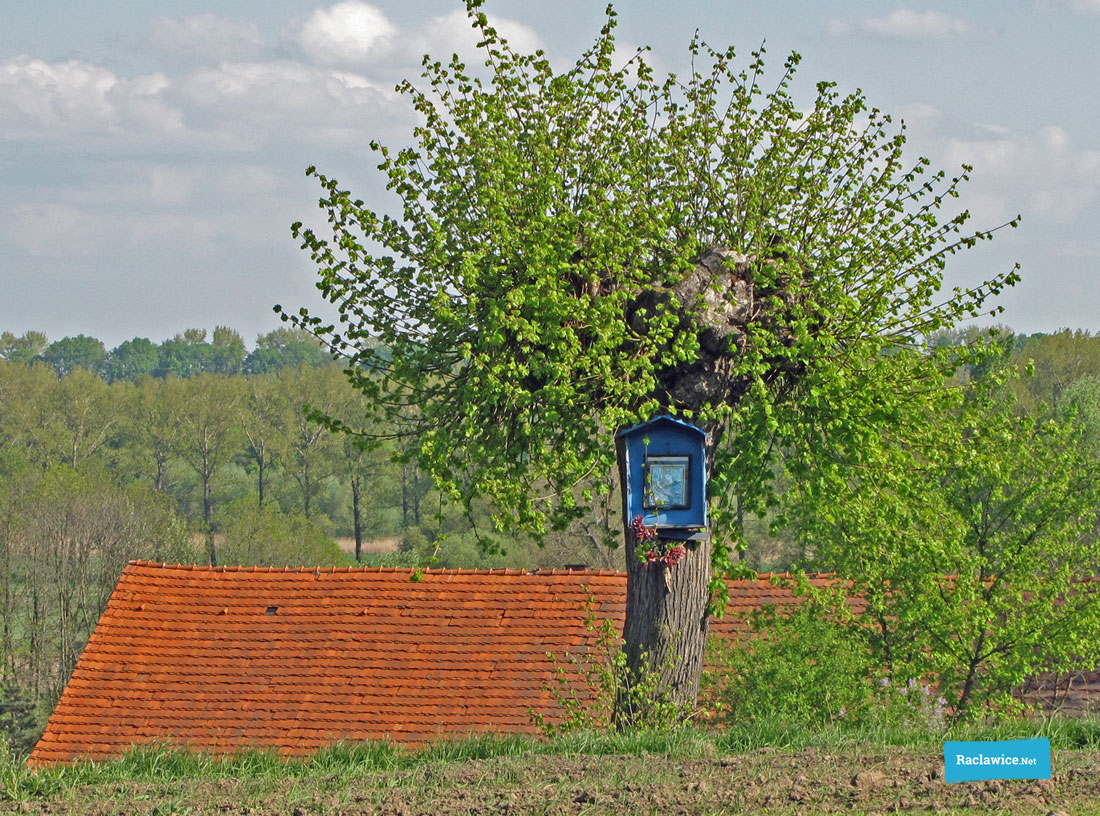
(195, 654)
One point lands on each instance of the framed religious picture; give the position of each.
(667, 482)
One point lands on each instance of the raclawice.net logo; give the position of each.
(1005, 759)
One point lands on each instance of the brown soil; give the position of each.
(766, 781)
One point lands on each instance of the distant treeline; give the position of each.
(184, 355)
(210, 440)
(1054, 364)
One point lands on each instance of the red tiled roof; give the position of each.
(221, 658)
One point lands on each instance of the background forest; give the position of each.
(198, 450)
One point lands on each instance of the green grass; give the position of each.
(162, 763)
(1063, 733)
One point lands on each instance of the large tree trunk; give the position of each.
(664, 635)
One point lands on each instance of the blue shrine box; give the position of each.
(663, 466)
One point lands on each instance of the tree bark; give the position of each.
(260, 460)
(207, 502)
(356, 518)
(405, 498)
(664, 636)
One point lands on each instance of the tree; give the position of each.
(83, 415)
(1080, 402)
(19, 729)
(259, 536)
(152, 432)
(206, 412)
(282, 348)
(131, 359)
(309, 455)
(25, 393)
(22, 349)
(56, 420)
(975, 545)
(68, 537)
(265, 419)
(577, 252)
(185, 355)
(70, 353)
(227, 352)
(1058, 360)
(359, 462)
(17, 477)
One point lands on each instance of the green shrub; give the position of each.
(20, 725)
(259, 535)
(809, 666)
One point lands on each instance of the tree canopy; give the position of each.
(577, 251)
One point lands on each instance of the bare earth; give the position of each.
(766, 781)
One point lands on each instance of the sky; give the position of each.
(153, 155)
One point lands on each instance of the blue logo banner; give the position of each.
(1005, 759)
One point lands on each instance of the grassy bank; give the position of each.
(738, 770)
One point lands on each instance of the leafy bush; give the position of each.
(809, 666)
(20, 726)
(258, 535)
(973, 541)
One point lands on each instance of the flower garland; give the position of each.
(669, 558)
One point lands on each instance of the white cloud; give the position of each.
(1043, 174)
(207, 36)
(454, 34)
(146, 186)
(234, 105)
(920, 114)
(357, 36)
(259, 102)
(281, 84)
(906, 24)
(1002, 156)
(58, 101)
(838, 28)
(149, 210)
(1087, 7)
(76, 234)
(350, 32)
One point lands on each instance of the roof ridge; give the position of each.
(410, 571)
(367, 569)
